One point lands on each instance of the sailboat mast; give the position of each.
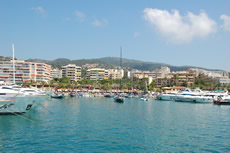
(13, 65)
(120, 66)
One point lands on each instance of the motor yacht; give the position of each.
(9, 91)
(166, 96)
(196, 96)
(17, 105)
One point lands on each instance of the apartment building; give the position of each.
(163, 82)
(224, 81)
(97, 74)
(183, 78)
(160, 73)
(72, 71)
(164, 71)
(116, 74)
(211, 74)
(179, 78)
(24, 71)
(55, 73)
(40, 72)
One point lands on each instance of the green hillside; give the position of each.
(110, 62)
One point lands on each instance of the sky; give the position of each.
(178, 32)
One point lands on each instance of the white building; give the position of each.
(224, 81)
(72, 71)
(212, 74)
(161, 73)
(221, 76)
(116, 74)
(56, 73)
(24, 71)
(97, 74)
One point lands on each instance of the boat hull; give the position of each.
(195, 99)
(108, 96)
(144, 99)
(58, 97)
(165, 97)
(72, 95)
(18, 105)
(119, 99)
(221, 103)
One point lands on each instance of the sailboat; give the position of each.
(119, 98)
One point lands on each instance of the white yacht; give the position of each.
(18, 100)
(221, 96)
(31, 91)
(174, 95)
(226, 98)
(166, 96)
(9, 91)
(18, 105)
(216, 94)
(15, 90)
(196, 96)
(199, 96)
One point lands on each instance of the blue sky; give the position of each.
(175, 32)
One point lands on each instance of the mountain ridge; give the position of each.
(111, 62)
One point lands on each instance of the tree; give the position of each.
(65, 80)
(185, 84)
(152, 85)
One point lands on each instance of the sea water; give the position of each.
(102, 125)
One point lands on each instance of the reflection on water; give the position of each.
(100, 124)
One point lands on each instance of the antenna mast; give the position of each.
(120, 66)
(121, 58)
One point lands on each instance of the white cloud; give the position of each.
(226, 20)
(99, 23)
(80, 15)
(136, 34)
(41, 11)
(179, 28)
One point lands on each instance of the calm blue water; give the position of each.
(101, 125)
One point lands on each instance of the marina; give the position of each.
(67, 86)
(89, 124)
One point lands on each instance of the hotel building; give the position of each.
(24, 71)
(179, 78)
(72, 71)
(55, 73)
(116, 74)
(97, 74)
(221, 77)
(224, 81)
(151, 76)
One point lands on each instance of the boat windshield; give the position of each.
(29, 90)
(7, 88)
